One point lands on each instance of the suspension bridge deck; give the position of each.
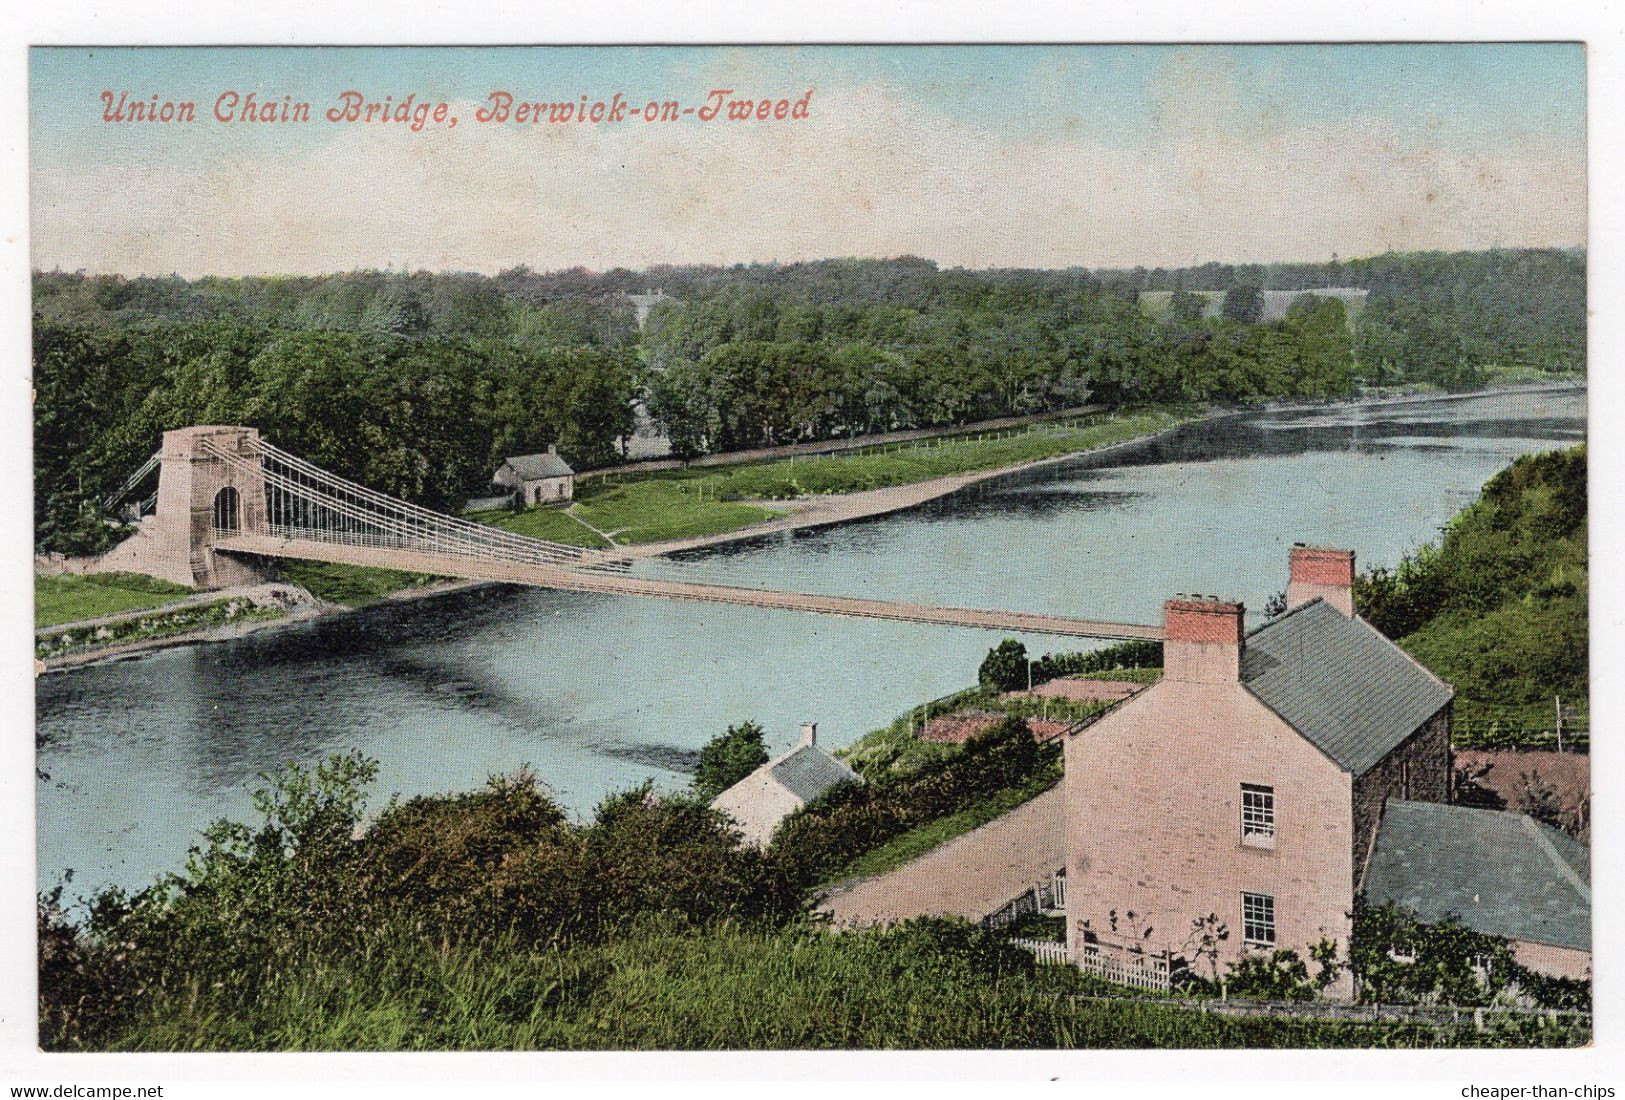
(588, 580)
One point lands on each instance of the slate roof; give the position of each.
(1340, 683)
(536, 467)
(1498, 872)
(809, 771)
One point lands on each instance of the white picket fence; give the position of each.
(1140, 970)
(1047, 951)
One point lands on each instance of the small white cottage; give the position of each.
(779, 788)
(538, 479)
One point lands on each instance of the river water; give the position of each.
(598, 693)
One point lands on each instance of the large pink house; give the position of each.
(1250, 784)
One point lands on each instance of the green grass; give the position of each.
(1497, 374)
(67, 599)
(544, 522)
(665, 508)
(677, 504)
(921, 839)
(1155, 303)
(154, 623)
(906, 464)
(349, 585)
(632, 512)
(683, 504)
(919, 986)
(1126, 675)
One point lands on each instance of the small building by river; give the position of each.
(538, 479)
(779, 788)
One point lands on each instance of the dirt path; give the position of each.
(971, 876)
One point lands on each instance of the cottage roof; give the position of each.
(536, 467)
(809, 771)
(1340, 683)
(1497, 872)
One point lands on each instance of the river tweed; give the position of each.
(598, 693)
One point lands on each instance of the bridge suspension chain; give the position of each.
(134, 479)
(304, 501)
(413, 516)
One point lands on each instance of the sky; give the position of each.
(1041, 156)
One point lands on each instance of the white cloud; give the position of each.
(872, 173)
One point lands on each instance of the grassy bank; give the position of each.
(907, 463)
(1498, 607)
(349, 585)
(632, 512)
(925, 985)
(670, 504)
(159, 624)
(67, 599)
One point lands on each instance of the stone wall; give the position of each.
(1416, 770)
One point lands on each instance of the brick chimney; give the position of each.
(1323, 574)
(809, 733)
(1202, 639)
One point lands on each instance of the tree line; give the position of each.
(418, 383)
(426, 418)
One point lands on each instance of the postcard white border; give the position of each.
(425, 22)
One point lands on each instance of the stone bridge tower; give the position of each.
(201, 497)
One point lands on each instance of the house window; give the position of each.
(1257, 815)
(1258, 920)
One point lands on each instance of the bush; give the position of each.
(1446, 963)
(1005, 667)
(1498, 608)
(728, 758)
(1278, 976)
(1123, 655)
(452, 859)
(306, 881)
(1399, 960)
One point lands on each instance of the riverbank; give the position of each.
(296, 606)
(206, 616)
(829, 509)
(601, 695)
(666, 511)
